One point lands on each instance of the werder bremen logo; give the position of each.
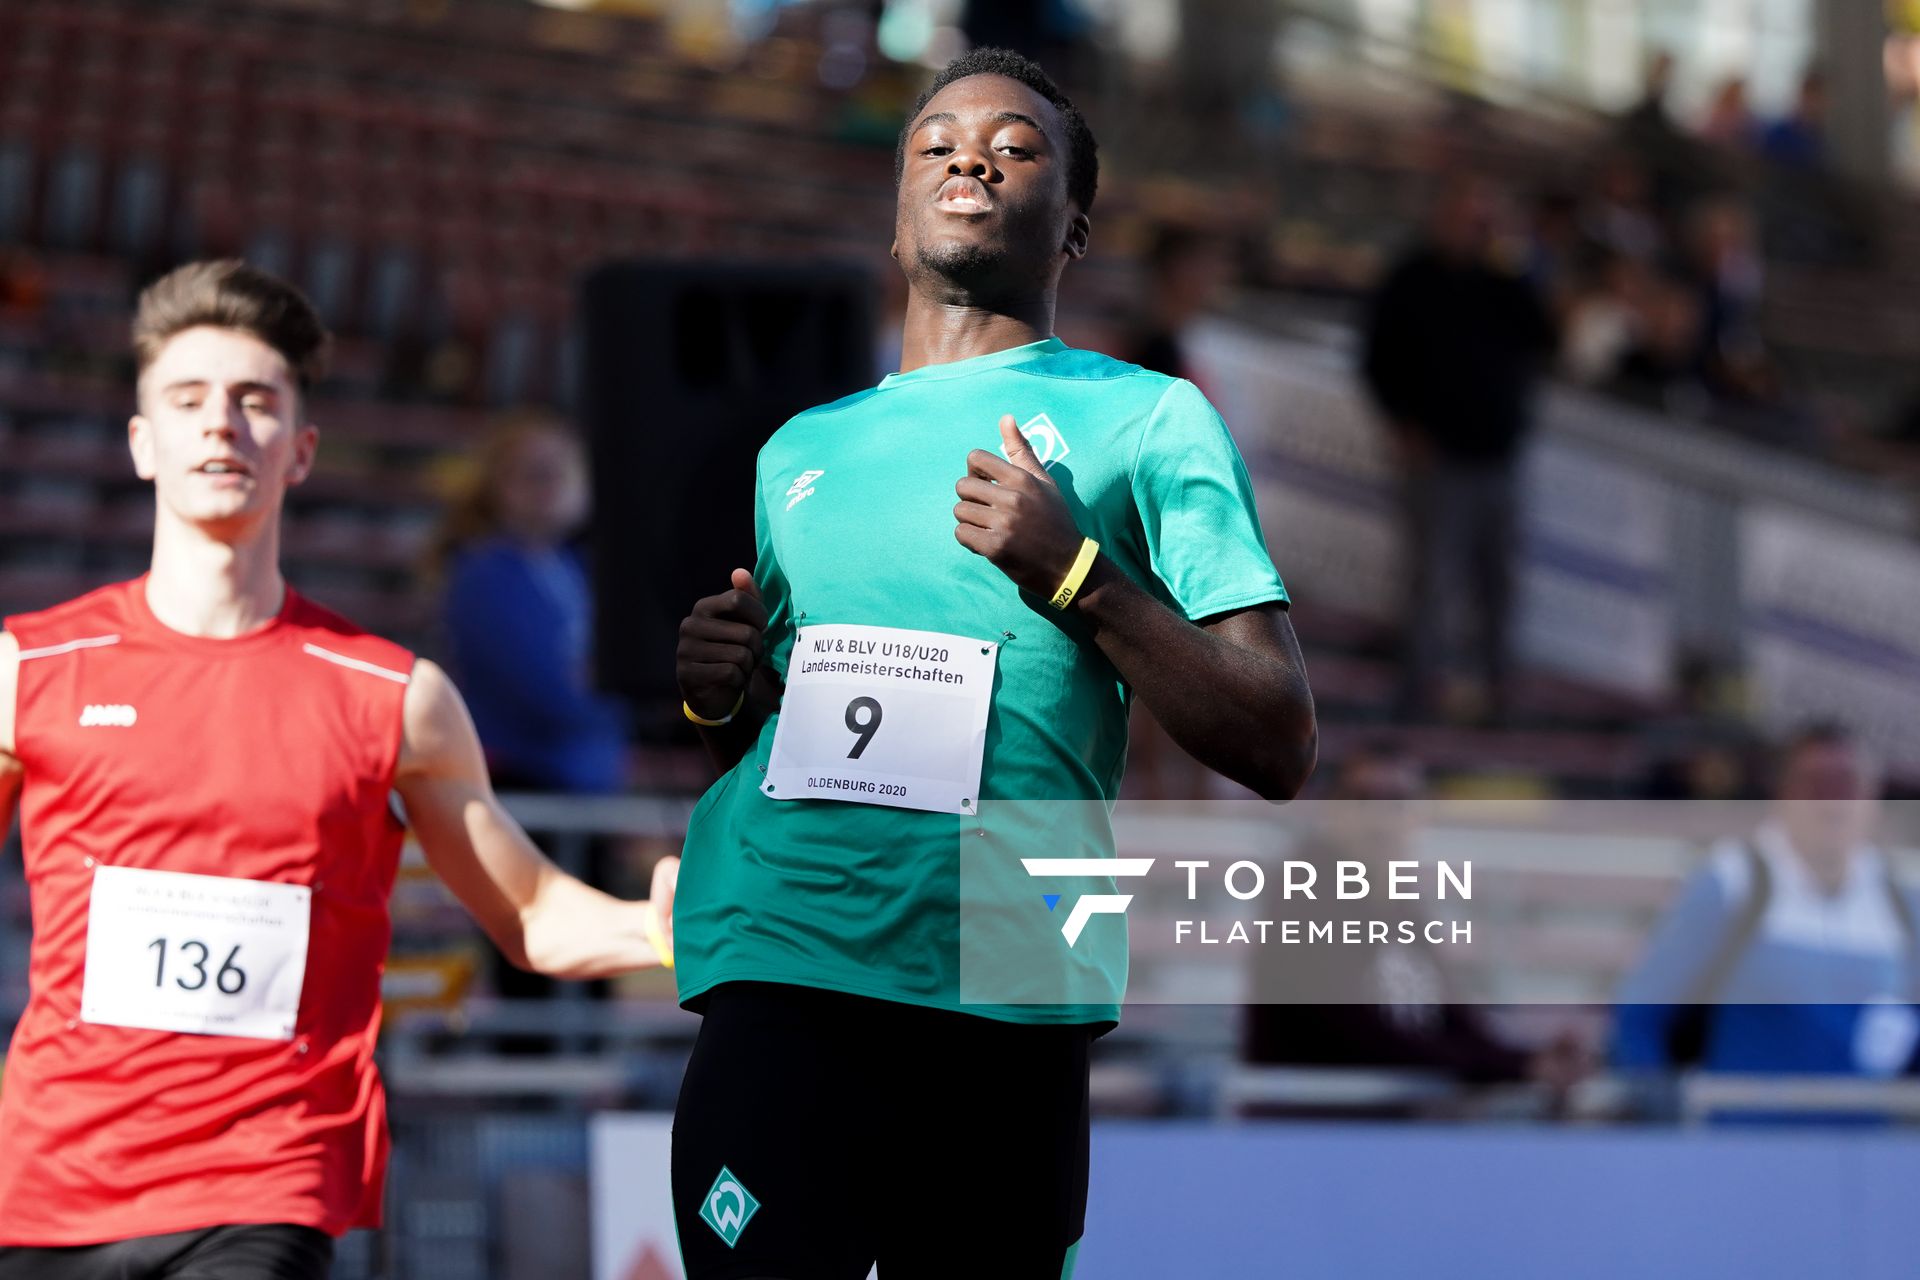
(729, 1205)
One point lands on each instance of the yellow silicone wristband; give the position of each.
(739, 702)
(1070, 585)
(658, 938)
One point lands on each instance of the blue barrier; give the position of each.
(1358, 1201)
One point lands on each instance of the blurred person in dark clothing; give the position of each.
(1799, 139)
(1723, 266)
(1380, 1005)
(1455, 347)
(518, 614)
(1185, 270)
(1649, 134)
(1793, 950)
(1650, 121)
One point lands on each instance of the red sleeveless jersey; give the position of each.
(266, 758)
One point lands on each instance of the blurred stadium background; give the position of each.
(666, 221)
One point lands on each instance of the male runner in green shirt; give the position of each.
(895, 667)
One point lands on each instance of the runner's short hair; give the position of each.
(1083, 154)
(227, 293)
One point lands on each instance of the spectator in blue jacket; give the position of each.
(1792, 951)
(518, 615)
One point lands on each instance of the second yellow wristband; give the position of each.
(1070, 585)
(704, 723)
(658, 937)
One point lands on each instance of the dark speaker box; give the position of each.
(687, 368)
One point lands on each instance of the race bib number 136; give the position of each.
(207, 955)
(878, 715)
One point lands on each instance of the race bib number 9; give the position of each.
(207, 955)
(878, 715)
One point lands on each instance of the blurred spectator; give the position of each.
(1455, 346)
(1604, 318)
(1555, 244)
(1791, 951)
(1648, 124)
(1386, 1005)
(1799, 139)
(1723, 265)
(1185, 269)
(518, 614)
(1620, 214)
(1729, 121)
(518, 622)
(1661, 369)
(1648, 133)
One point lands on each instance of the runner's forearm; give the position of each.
(1242, 712)
(573, 930)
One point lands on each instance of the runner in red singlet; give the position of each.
(204, 763)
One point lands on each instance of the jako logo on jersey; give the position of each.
(107, 715)
(1044, 439)
(1088, 905)
(802, 488)
(728, 1207)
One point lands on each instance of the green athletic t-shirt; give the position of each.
(854, 523)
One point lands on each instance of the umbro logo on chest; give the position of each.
(802, 488)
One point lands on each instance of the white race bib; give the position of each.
(207, 955)
(878, 715)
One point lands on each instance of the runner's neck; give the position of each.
(201, 586)
(939, 333)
